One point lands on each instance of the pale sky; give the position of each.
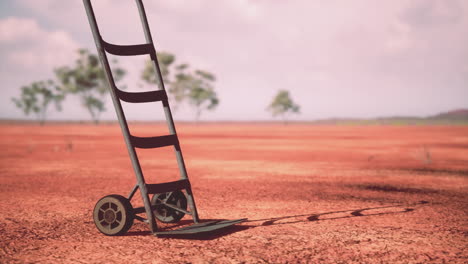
(347, 58)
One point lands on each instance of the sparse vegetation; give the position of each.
(87, 80)
(195, 87)
(149, 74)
(427, 155)
(201, 94)
(282, 105)
(36, 98)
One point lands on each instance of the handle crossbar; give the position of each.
(129, 50)
(168, 186)
(142, 97)
(154, 142)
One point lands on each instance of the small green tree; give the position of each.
(165, 60)
(201, 93)
(282, 105)
(195, 87)
(36, 98)
(87, 80)
(180, 87)
(175, 88)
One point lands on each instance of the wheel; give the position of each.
(113, 215)
(166, 214)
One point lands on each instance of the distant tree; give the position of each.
(282, 105)
(36, 98)
(201, 94)
(165, 60)
(87, 80)
(183, 85)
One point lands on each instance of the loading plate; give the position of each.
(200, 228)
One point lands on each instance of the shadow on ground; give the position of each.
(195, 236)
(283, 220)
(370, 211)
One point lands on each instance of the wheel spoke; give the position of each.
(101, 210)
(168, 205)
(169, 195)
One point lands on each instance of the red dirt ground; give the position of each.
(329, 194)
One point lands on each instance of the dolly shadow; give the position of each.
(196, 236)
(284, 220)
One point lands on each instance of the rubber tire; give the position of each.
(172, 216)
(117, 204)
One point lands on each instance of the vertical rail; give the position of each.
(120, 115)
(167, 111)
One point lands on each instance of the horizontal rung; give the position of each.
(167, 186)
(143, 97)
(129, 50)
(178, 209)
(142, 209)
(139, 218)
(154, 142)
(139, 210)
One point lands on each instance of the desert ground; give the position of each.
(311, 193)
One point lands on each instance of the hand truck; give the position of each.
(114, 214)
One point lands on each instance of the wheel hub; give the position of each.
(109, 216)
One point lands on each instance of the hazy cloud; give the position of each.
(428, 13)
(338, 58)
(25, 45)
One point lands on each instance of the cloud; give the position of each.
(25, 45)
(16, 29)
(358, 58)
(29, 53)
(429, 13)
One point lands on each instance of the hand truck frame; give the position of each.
(114, 214)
